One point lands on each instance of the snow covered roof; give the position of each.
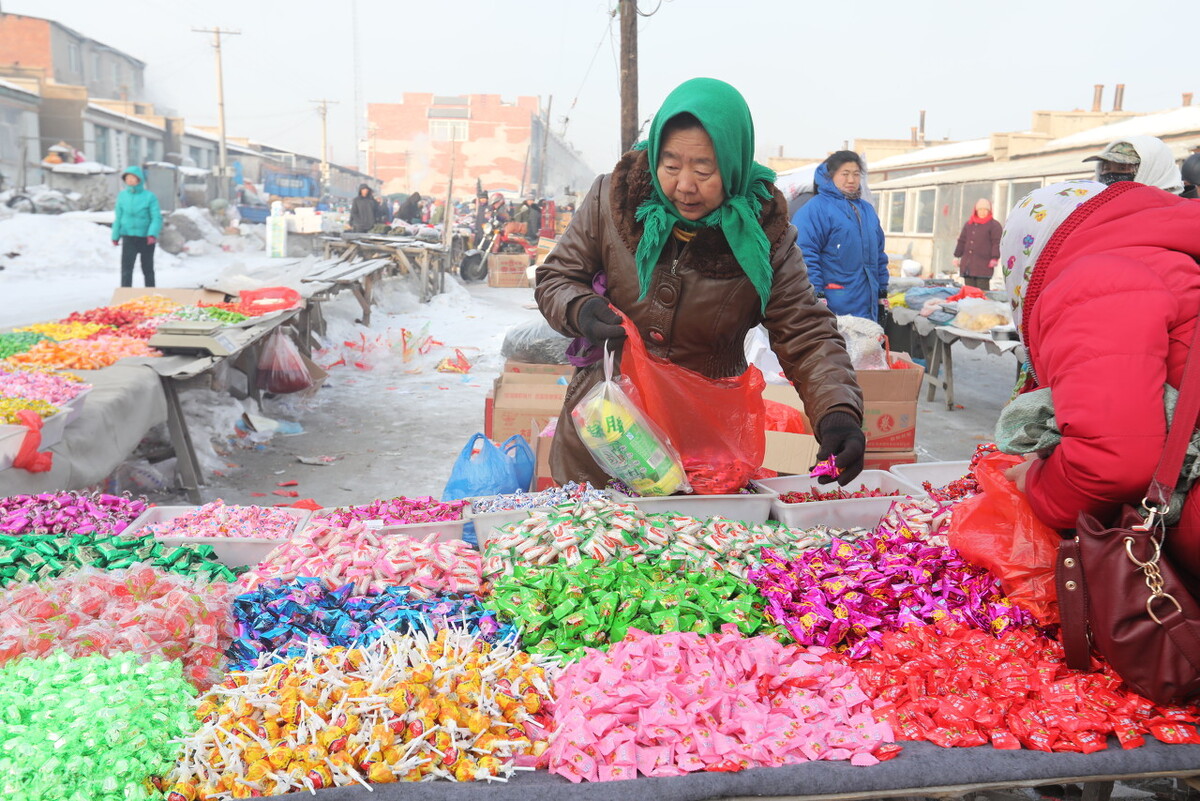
(12, 87)
(1174, 122)
(82, 168)
(954, 151)
(122, 116)
(1059, 167)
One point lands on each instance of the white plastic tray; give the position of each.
(13, 434)
(74, 406)
(938, 474)
(850, 513)
(753, 508)
(10, 444)
(446, 530)
(230, 551)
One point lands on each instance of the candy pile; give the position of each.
(281, 617)
(671, 704)
(82, 354)
(846, 597)
(564, 609)
(53, 389)
(10, 407)
(957, 686)
(18, 342)
(216, 520)
(140, 610)
(605, 530)
(553, 496)
(32, 557)
(394, 512)
(406, 708)
(371, 561)
(113, 316)
(66, 330)
(926, 518)
(96, 727)
(68, 513)
(835, 494)
(150, 305)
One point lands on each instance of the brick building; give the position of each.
(42, 49)
(412, 144)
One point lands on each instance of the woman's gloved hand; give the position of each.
(598, 322)
(842, 438)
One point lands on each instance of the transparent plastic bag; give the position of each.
(623, 441)
(864, 342)
(977, 314)
(281, 368)
(535, 342)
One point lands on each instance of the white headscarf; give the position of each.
(1157, 167)
(1030, 225)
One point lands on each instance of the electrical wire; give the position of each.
(587, 73)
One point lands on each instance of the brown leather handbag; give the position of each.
(1117, 589)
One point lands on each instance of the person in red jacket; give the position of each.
(1105, 287)
(978, 248)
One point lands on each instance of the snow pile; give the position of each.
(42, 200)
(50, 246)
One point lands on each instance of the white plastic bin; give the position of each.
(230, 551)
(849, 513)
(938, 474)
(13, 434)
(749, 508)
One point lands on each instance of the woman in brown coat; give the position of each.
(689, 238)
(978, 250)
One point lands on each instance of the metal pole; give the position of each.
(629, 74)
(323, 110)
(222, 154)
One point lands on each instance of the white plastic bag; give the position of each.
(864, 342)
(979, 314)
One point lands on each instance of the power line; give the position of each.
(587, 73)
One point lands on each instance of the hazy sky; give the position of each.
(814, 73)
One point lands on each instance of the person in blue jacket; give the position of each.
(842, 241)
(137, 222)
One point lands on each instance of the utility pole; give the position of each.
(323, 110)
(545, 141)
(629, 74)
(222, 155)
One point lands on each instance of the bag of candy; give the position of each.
(622, 439)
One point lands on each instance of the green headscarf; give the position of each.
(724, 114)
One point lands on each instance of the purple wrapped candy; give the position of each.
(69, 513)
(825, 468)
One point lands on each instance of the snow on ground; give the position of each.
(54, 265)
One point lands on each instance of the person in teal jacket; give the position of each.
(842, 241)
(137, 223)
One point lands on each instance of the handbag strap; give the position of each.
(1187, 413)
(1073, 605)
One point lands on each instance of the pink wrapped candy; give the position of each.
(395, 512)
(36, 385)
(670, 704)
(371, 561)
(68, 513)
(139, 609)
(213, 520)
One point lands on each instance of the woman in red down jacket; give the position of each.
(1105, 286)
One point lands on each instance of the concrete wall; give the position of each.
(20, 149)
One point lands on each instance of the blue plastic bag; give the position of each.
(488, 472)
(521, 455)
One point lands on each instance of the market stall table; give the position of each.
(921, 769)
(941, 340)
(426, 260)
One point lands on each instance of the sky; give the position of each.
(815, 74)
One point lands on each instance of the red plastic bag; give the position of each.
(28, 457)
(716, 424)
(281, 368)
(270, 298)
(998, 530)
(781, 417)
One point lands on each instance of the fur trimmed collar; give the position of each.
(631, 185)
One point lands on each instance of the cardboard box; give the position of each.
(896, 384)
(886, 460)
(511, 366)
(890, 425)
(188, 297)
(489, 406)
(790, 454)
(507, 269)
(523, 407)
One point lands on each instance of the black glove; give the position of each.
(841, 437)
(883, 293)
(598, 322)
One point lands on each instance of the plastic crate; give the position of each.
(938, 474)
(230, 551)
(748, 508)
(13, 434)
(849, 513)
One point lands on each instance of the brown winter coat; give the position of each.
(697, 314)
(978, 244)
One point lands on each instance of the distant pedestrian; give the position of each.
(410, 209)
(1191, 176)
(978, 250)
(1144, 159)
(842, 241)
(363, 212)
(137, 222)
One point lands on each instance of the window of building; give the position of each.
(1019, 189)
(116, 75)
(75, 57)
(926, 211)
(102, 145)
(895, 211)
(448, 130)
(134, 149)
